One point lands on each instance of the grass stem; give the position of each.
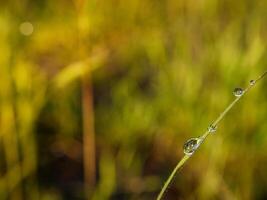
(204, 136)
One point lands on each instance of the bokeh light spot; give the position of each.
(26, 28)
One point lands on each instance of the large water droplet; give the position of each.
(252, 82)
(191, 145)
(212, 129)
(238, 92)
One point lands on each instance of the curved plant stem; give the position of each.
(204, 136)
(178, 166)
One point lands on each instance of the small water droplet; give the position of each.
(212, 128)
(191, 145)
(238, 92)
(252, 82)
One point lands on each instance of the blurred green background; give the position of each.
(98, 97)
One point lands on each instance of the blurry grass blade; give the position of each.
(79, 69)
(107, 177)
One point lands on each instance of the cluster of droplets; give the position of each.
(238, 92)
(192, 144)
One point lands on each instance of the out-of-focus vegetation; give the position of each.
(97, 98)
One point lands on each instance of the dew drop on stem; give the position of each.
(212, 129)
(191, 145)
(238, 92)
(252, 82)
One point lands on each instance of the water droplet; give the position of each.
(191, 145)
(252, 82)
(212, 128)
(238, 92)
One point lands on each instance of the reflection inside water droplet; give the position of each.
(238, 92)
(191, 145)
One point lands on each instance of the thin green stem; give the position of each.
(178, 166)
(228, 108)
(204, 136)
